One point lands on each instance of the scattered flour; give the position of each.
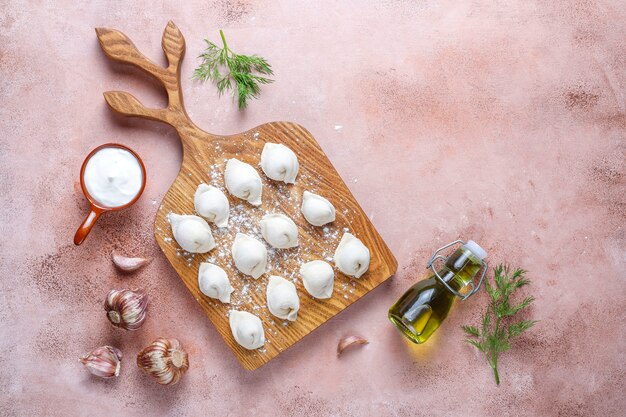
(249, 294)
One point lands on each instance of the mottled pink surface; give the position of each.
(501, 121)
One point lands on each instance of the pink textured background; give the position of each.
(501, 121)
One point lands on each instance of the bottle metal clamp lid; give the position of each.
(473, 247)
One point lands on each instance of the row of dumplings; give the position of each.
(193, 234)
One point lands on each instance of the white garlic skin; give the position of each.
(279, 231)
(128, 264)
(243, 181)
(350, 341)
(213, 282)
(352, 257)
(249, 255)
(164, 360)
(212, 204)
(282, 298)
(103, 361)
(247, 329)
(279, 163)
(192, 233)
(318, 278)
(317, 210)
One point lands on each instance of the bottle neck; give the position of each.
(452, 279)
(460, 268)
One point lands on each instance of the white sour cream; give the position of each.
(113, 177)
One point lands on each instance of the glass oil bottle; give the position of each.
(420, 311)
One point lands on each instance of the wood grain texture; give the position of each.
(204, 159)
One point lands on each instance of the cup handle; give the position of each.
(86, 225)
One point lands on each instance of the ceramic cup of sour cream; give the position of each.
(112, 178)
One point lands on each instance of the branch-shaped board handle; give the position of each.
(119, 47)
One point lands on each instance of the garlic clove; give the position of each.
(164, 360)
(103, 361)
(126, 309)
(127, 264)
(349, 341)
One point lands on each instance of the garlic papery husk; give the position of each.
(349, 341)
(103, 361)
(164, 360)
(128, 264)
(126, 308)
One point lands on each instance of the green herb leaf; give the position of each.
(476, 344)
(472, 331)
(497, 331)
(518, 328)
(231, 71)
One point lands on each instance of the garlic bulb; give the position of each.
(243, 181)
(250, 255)
(165, 360)
(351, 256)
(213, 282)
(211, 203)
(279, 231)
(282, 298)
(318, 278)
(103, 361)
(316, 209)
(279, 163)
(126, 308)
(247, 329)
(192, 233)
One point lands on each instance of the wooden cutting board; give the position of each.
(204, 159)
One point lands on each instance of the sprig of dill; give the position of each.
(494, 337)
(231, 71)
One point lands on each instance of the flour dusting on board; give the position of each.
(249, 294)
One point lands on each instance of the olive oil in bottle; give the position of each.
(420, 311)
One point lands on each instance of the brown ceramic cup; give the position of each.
(96, 208)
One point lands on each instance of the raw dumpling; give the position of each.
(318, 278)
(352, 257)
(316, 209)
(279, 163)
(250, 255)
(279, 231)
(212, 204)
(243, 181)
(282, 298)
(213, 282)
(247, 329)
(192, 233)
